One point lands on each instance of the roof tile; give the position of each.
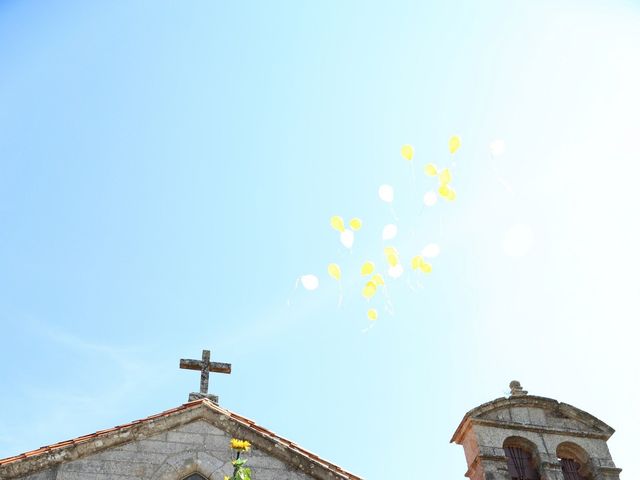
(249, 423)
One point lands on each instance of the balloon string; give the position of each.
(413, 177)
(340, 294)
(393, 213)
(410, 281)
(500, 179)
(373, 324)
(293, 290)
(388, 304)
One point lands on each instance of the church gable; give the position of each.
(193, 439)
(197, 447)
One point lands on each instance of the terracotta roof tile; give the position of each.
(249, 423)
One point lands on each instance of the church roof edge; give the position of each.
(50, 455)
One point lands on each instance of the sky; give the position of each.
(168, 171)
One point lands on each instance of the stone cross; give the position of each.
(205, 366)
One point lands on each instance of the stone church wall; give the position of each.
(196, 447)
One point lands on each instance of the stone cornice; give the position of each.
(532, 401)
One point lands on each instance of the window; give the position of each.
(574, 461)
(570, 469)
(520, 464)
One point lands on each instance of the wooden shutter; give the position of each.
(520, 464)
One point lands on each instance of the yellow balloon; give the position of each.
(390, 252)
(407, 151)
(334, 271)
(367, 268)
(378, 280)
(337, 223)
(451, 195)
(444, 191)
(369, 290)
(392, 256)
(425, 267)
(454, 144)
(372, 314)
(445, 176)
(431, 170)
(355, 224)
(416, 262)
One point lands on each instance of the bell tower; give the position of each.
(525, 437)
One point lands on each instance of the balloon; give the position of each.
(385, 192)
(372, 314)
(377, 280)
(355, 224)
(334, 271)
(497, 147)
(392, 256)
(369, 290)
(337, 223)
(431, 170)
(407, 151)
(451, 195)
(396, 271)
(431, 251)
(367, 268)
(444, 190)
(309, 282)
(389, 232)
(390, 251)
(454, 144)
(346, 238)
(418, 263)
(447, 192)
(426, 267)
(445, 177)
(430, 199)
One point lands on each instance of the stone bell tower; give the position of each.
(524, 437)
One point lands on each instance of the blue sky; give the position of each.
(167, 171)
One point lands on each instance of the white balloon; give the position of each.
(389, 232)
(497, 147)
(385, 192)
(396, 271)
(309, 282)
(430, 199)
(431, 251)
(346, 238)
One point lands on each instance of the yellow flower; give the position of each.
(240, 445)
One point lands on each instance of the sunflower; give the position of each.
(240, 445)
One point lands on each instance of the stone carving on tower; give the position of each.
(526, 437)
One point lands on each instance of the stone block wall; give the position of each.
(196, 447)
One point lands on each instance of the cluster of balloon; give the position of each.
(375, 280)
(444, 176)
(347, 235)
